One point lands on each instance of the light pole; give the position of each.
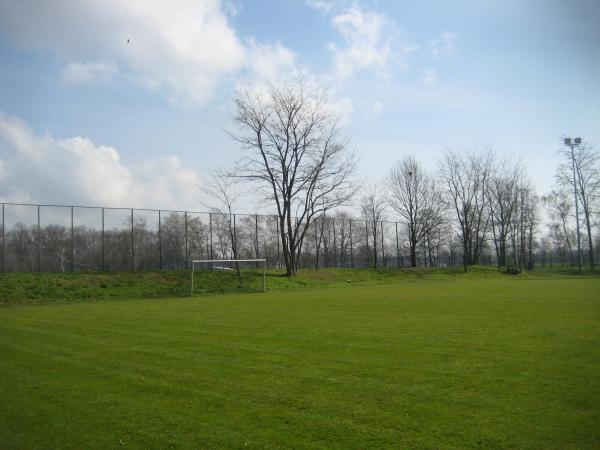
(574, 143)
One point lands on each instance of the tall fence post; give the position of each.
(397, 246)
(235, 256)
(72, 243)
(351, 246)
(317, 243)
(367, 241)
(256, 234)
(39, 240)
(185, 237)
(210, 233)
(103, 244)
(132, 249)
(159, 241)
(3, 244)
(382, 247)
(334, 244)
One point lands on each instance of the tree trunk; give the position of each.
(590, 244)
(413, 255)
(375, 250)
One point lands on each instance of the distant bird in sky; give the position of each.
(128, 41)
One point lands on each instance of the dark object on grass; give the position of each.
(512, 270)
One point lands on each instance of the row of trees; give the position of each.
(474, 207)
(333, 240)
(465, 201)
(295, 155)
(140, 242)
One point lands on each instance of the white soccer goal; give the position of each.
(229, 274)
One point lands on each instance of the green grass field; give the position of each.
(377, 361)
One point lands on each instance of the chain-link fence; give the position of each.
(57, 238)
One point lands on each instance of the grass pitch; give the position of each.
(472, 362)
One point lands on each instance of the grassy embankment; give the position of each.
(42, 288)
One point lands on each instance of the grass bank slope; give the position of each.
(43, 288)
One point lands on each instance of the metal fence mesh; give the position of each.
(57, 238)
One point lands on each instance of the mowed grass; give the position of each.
(461, 363)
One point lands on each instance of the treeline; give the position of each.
(482, 207)
(474, 208)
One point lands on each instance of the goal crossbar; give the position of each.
(210, 261)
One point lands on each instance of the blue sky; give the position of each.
(87, 118)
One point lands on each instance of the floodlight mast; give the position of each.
(574, 143)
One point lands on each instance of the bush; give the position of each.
(512, 270)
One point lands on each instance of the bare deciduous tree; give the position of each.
(323, 237)
(222, 188)
(294, 152)
(525, 221)
(560, 208)
(587, 171)
(372, 207)
(502, 205)
(466, 179)
(342, 223)
(415, 198)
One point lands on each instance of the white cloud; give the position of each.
(184, 46)
(430, 76)
(270, 62)
(342, 107)
(377, 108)
(371, 43)
(444, 45)
(322, 6)
(77, 73)
(76, 170)
(410, 48)
(367, 36)
(401, 56)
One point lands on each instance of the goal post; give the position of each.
(248, 274)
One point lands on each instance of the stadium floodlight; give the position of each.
(574, 143)
(248, 274)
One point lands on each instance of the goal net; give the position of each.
(228, 275)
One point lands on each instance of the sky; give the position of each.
(128, 103)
